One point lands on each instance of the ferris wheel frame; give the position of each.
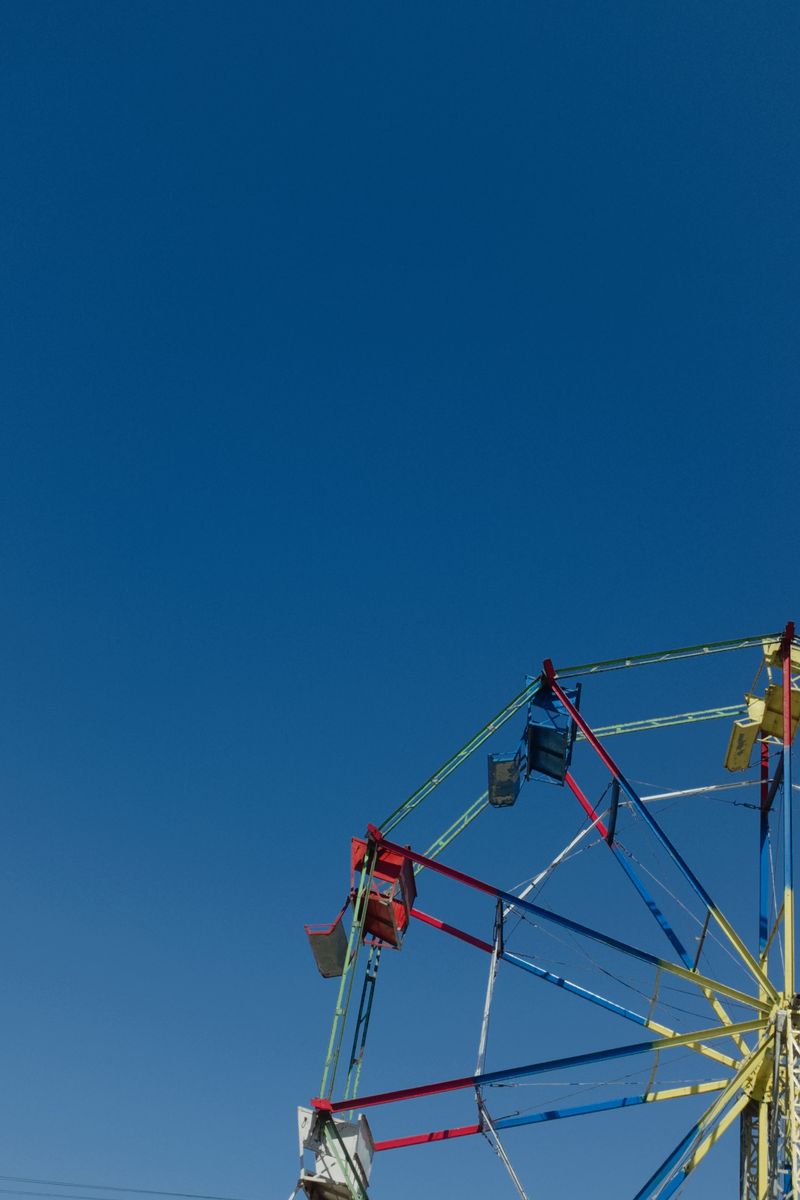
(763, 1087)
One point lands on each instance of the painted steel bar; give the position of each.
(546, 914)
(475, 809)
(776, 924)
(551, 866)
(467, 817)
(443, 841)
(669, 722)
(661, 836)
(443, 927)
(489, 1131)
(754, 1122)
(652, 906)
(753, 1159)
(588, 1058)
(708, 1142)
(660, 656)
(486, 1123)
(579, 1110)
(685, 1146)
(555, 1114)
(357, 1055)
(568, 985)
(792, 1098)
(775, 1110)
(763, 857)
(763, 1148)
(362, 1021)
(494, 952)
(701, 942)
(346, 981)
(447, 768)
(777, 780)
(698, 791)
(516, 960)
(530, 690)
(627, 867)
(422, 1139)
(788, 843)
(793, 1065)
(357, 1184)
(613, 813)
(619, 1010)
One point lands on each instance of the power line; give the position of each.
(100, 1187)
(74, 1196)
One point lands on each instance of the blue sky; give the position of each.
(354, 358)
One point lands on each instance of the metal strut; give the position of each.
(489, 1131)
(487, 1126)
(529, 691)
(784, 1116)
(362, 1021)
(350, 1168)
(346, 983)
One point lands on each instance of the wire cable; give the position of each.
(101, 1187)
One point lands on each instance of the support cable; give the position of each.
(555, 918)
(659, 833)
(76, 1196)
(544, 875)
(641, 890)
(574, 944)
(716, 1005)
(107, 1187)
(705, 928)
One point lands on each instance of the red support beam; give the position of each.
(452, 930)
(586, 806)
(550, 674)
(422, 1139)
(421, 860)
(412, 1093)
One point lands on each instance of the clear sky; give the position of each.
(355, 356)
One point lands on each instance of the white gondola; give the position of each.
(339, 1155)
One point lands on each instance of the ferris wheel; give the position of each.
(711, 991)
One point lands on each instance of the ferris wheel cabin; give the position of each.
(545, 748)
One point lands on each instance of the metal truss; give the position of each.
(756, 1061)
(770, 1149)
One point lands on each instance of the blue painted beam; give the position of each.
(576, 1110)
(574, 989)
